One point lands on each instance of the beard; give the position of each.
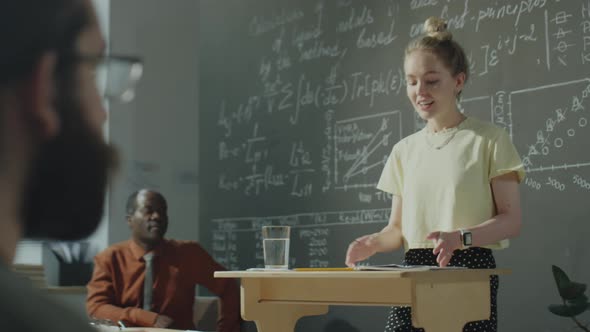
(66, 187)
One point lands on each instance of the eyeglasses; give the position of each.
(116, 75)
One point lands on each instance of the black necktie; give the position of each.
(149, 281)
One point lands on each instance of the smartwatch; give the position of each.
(466, 238)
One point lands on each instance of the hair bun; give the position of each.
(437, 28)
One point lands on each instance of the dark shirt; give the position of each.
(116, 289)
(25, 309)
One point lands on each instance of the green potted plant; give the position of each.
(575, 302)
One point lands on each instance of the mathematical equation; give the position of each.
(235, 238)
(311, 79)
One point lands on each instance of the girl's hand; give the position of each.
(445, 243)
(361, 249)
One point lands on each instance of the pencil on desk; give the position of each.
(319, 269)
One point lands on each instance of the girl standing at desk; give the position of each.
(454, 183)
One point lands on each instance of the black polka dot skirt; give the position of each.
(400, 318)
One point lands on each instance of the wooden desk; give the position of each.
(441, 300)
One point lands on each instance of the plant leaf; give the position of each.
(573, 291)
(578, 300)
(567, 289)
(561, 279)
(568, 310)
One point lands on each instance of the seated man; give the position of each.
(123, 288)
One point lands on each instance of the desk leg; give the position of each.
(273, 317)
(447, 307)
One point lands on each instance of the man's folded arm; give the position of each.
(101, 301)
(226, 289)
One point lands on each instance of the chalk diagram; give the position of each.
(548, 124)
(559, 119)
(362, 146)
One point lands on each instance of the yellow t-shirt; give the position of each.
(444, 178)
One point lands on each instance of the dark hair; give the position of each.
(131, 205)
(29, 28)
(438, 40)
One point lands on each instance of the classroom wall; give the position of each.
(156, 133)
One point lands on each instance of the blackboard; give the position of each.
(302, 101)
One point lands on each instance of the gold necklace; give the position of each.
(444, 143)
(449, 132)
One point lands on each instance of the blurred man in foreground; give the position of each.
(54, 163)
